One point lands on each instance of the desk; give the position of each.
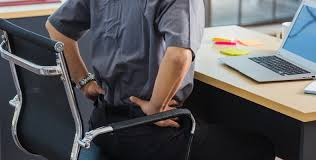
(286, 114)
(24, 11)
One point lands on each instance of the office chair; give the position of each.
(47, 121)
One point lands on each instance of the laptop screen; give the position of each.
(302, 37)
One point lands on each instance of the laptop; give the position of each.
(296, 58)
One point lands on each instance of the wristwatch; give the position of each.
(90, 77)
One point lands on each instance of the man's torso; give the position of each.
(127, 48)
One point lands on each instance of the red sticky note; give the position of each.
(226, 43)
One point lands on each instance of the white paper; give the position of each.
(311, 88)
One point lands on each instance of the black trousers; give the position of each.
(150, 142)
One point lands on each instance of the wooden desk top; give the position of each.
(11, 12)
(284, 97)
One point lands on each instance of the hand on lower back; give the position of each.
(92, 90)
(150, 109)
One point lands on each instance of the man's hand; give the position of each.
(148, 108)
(92, 90)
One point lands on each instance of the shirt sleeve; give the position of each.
(182, 23)
(72, 19)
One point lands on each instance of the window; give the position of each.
(250, 12)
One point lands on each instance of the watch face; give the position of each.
(81, 83)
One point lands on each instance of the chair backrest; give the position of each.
(46, 121)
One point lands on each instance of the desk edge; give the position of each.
(304, 117)
(26, 14)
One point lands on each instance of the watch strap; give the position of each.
(90, 77)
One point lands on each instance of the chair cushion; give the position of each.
(93, 153)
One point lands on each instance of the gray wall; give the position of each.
(7, 91)
(0, 140)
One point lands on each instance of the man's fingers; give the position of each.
(92, 97)
(173, 103)
(137, 101)
(100, 90)
(168, 123)
(170, 108)
(171, 123)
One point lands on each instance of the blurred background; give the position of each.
(250, 12)
(261, 15)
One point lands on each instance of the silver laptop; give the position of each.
(295, 60)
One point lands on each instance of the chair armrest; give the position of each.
(89, 136)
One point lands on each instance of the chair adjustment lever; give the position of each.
(15, 101)
(89, 136)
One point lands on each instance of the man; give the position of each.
(142, 54)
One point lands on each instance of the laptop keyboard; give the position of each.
(278, 65)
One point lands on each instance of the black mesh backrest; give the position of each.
(46, 126)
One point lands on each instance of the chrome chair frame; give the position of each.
(60, 69)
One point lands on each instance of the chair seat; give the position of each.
(93, 153)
